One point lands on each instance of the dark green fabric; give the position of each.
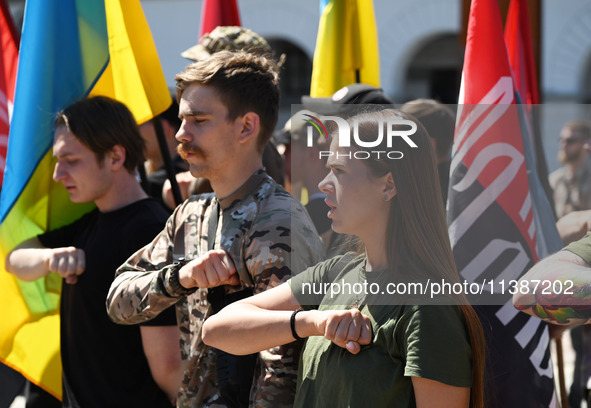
(582, 248)
(428, 341)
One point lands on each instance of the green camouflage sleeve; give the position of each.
(141, 287)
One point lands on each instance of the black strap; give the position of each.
(215, 296)
(165, 153)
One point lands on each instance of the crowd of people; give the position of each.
(207, 302)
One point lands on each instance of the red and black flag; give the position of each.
(495, 210)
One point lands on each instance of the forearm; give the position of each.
(161, 347)
(573, 226)
(138, 296)
(141, 288)
(243, 328)
(430, 393)
(169, 381)
(566, 302)
(28, 264)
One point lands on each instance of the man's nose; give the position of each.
(182, 135)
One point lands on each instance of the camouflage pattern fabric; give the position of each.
(268, 235)
(230, 38)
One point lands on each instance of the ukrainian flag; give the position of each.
(69, 49)
(346, 47)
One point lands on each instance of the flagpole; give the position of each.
(176, 192)
(561, 377)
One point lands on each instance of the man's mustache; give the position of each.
(184, 149)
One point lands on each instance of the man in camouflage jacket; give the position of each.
(255, 235)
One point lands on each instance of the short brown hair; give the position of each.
(244, 82)
(100, 123)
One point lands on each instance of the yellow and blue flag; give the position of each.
(346, 47)
(70, 49)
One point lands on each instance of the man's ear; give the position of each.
(389, 190)
(117, 157)
(250, 124)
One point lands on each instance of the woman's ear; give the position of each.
(117, 157)
(250, 125)
(389, 187)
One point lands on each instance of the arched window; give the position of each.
(296, 72)
(294, 76)
(435, 70)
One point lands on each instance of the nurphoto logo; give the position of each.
(388, 129)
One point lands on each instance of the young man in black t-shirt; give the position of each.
(98, 147)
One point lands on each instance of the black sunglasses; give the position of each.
(571, 140)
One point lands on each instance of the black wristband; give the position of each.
(292, 324)
(173, 279)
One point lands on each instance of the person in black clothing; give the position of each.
(98, 148)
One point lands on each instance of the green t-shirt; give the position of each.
(428, 341)
(582, 248)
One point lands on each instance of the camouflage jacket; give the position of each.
(268, 235)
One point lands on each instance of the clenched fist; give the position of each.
(69, 262)
(214, 268)
(346, 328)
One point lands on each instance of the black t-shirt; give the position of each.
(104, 364)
